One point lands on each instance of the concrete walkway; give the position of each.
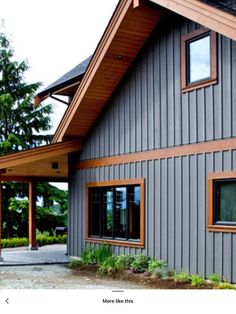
(48, 254)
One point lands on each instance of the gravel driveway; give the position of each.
(55, 277)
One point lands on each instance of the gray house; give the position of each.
(153, 112)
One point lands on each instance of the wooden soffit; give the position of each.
(48, 162)
(199, 12)
(129, 28)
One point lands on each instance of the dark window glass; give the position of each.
(121, 212)
(134, 212)
(225, 201)
(95, 211)
(199, 62)
(107, 205)
(114, 212)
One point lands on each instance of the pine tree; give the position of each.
(21, 125)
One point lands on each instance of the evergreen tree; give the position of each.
(21, 127)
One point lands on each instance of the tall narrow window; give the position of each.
(115, 211)
(198, 59)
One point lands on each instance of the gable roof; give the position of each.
(66, 84)
(119, 46)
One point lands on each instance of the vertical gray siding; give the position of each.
(175, 212)
(149, 111)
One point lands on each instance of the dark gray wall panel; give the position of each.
(149, 111)
(175, 212)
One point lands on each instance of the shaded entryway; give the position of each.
(48, 163)
(48, 254)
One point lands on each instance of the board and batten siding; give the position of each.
(175, 212)
(148, 111)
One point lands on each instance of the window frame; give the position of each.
(185, 40)
(212, 224)
(119, 242)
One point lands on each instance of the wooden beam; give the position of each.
(204, 14)
(136, 3)
(32, 216)
(40, 153)
(1, 259)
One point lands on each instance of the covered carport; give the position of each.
(46, 163)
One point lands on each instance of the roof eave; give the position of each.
(217, 20)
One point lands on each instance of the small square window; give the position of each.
(222, 202)
(225, 202)
(198, 58)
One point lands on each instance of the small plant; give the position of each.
(214, 278)
(182, 277)
(197, 281)
(158, 268)
(75, 264)
(89, 256)
(140, 263)
(124, 261)
(226, 285)
(102, 253)
(109, 266)
(154, 264)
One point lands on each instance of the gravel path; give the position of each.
(56, 277)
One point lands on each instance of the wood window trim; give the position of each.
(138, 244)
(213, 59)
(211, 177)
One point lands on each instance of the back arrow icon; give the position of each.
(7, 300)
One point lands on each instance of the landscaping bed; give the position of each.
(140, 269)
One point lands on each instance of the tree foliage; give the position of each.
(22, 126)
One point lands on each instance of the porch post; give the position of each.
(32, 216)
(1, 258)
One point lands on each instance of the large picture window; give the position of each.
(115, 211)
(222, 202)
(198, 59)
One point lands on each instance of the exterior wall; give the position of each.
(149, 111)
(175, 208)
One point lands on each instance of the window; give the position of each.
(225, 201)
(222, 202)
(115, 212)
(198, 59)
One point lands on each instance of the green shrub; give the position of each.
(226, 285)
(41, 240)
(75, 264)
(214, 278)
(140, 263)
(89, 256)
(182, 277)
(102, 253)
(154, 264)
(46, 240)
(14, 242)
(109, 266)
(124, 261)
(197, 281)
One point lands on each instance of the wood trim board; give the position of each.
(177, 151)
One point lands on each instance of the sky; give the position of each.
(54, 36)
